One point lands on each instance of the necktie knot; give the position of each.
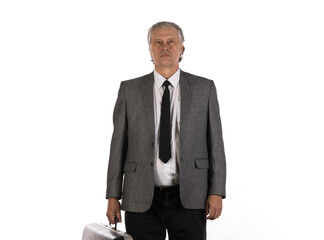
(166, 83)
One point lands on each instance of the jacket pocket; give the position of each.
(130, 167)
(202, 163)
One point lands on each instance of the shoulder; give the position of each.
(195, 79)
(138, 80)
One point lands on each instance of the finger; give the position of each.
(212, 214)
(218, 212)
(108, 215)
(207, 209)
(119, 218)
(111, 217)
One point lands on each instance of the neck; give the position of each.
(166, 72)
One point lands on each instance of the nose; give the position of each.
(165, 46)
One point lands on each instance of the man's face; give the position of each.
(165, 47)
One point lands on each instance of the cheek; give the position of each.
(152, 52)
(155, 52)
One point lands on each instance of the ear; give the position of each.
(182, 49)
(150, 50)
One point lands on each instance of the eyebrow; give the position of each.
(172, 38)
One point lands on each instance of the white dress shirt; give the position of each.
(167, 174)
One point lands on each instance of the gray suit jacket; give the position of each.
(202, 158)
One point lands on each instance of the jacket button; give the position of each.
(152, 144)
(152, 164)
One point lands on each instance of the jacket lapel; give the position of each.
(148, 102)
(186, 90)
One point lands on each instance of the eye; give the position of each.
(158, 42)
(171, 42)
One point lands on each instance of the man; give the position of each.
(167, 160)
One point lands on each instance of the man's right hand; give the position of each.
(113, 209)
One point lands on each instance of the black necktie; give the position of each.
(165, 128)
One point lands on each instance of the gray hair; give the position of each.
(167, 24)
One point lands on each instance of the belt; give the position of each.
(168, 188)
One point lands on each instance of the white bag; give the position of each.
(96, 231)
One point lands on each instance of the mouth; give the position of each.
(165, 55)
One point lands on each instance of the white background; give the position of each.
(61, 63)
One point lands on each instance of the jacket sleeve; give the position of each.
(217, 162)
(118, 147)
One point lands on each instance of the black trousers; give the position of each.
(167, 213)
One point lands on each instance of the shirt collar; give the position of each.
(174, 79)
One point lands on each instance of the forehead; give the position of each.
(164, 32)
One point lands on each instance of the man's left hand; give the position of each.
(214, 206)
